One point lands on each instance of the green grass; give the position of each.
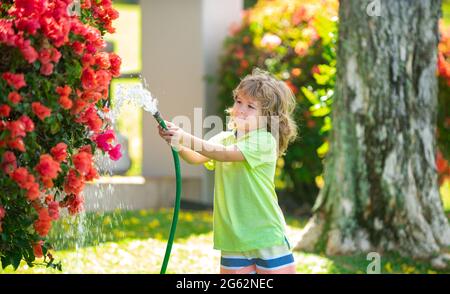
(446, 11)
(134, 242)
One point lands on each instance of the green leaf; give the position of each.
(319, 110)
(312, 98)
(323, 149)
(326, 126)
(15, 259)
(5, 261)
(54, 128)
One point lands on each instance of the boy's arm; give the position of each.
(211, 150)
(191, 157)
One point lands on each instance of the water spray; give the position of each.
(142, 97)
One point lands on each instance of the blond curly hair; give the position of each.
(276, 100)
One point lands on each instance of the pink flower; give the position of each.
(270, 41)
(24, 8)
(115, 153)
(104, 140)
(30, 25)
(2, 212)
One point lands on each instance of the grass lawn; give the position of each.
(134, 242)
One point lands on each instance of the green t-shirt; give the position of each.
(246, 211)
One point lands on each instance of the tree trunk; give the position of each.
(381, 190)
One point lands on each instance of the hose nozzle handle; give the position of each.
(160, 120)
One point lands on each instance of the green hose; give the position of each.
(173, 227)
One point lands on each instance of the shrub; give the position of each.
(53, 101)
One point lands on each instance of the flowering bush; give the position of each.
(443, 122)
(53, 96)
(296, 41)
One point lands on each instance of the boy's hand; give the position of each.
(173, 135)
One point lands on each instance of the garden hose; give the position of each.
(173, 227)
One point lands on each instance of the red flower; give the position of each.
(14, 97)
(78, 106)
(29, 53)
(20, 176)
(16, 129)
(64, 91)
(115, 153)
(56, 55)
(59, 152)
(65, 102)
(75, 204)
(88, 79)
(44, 223)
(82, 162)
(9, 162)
(47, 182)
(74, 183)
(37, 249)
(40, 110)
(48, 167)
(53, 210)
(33, 191)
(92, 174)
(4, 110)
(78, 47)
(64, 99)
(115, 62)
(29, 125)
(86, 148)
(441, 163)
(46, 69)
(16, 81)
(293, 88)
(91, 118)
(17, 143)
(102, 60)
(45, 56)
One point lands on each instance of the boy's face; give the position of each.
(246, 111)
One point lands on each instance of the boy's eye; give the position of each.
(251, 106)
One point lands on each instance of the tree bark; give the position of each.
(381, 190)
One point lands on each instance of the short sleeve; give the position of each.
(258, 148)
(218, 138)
